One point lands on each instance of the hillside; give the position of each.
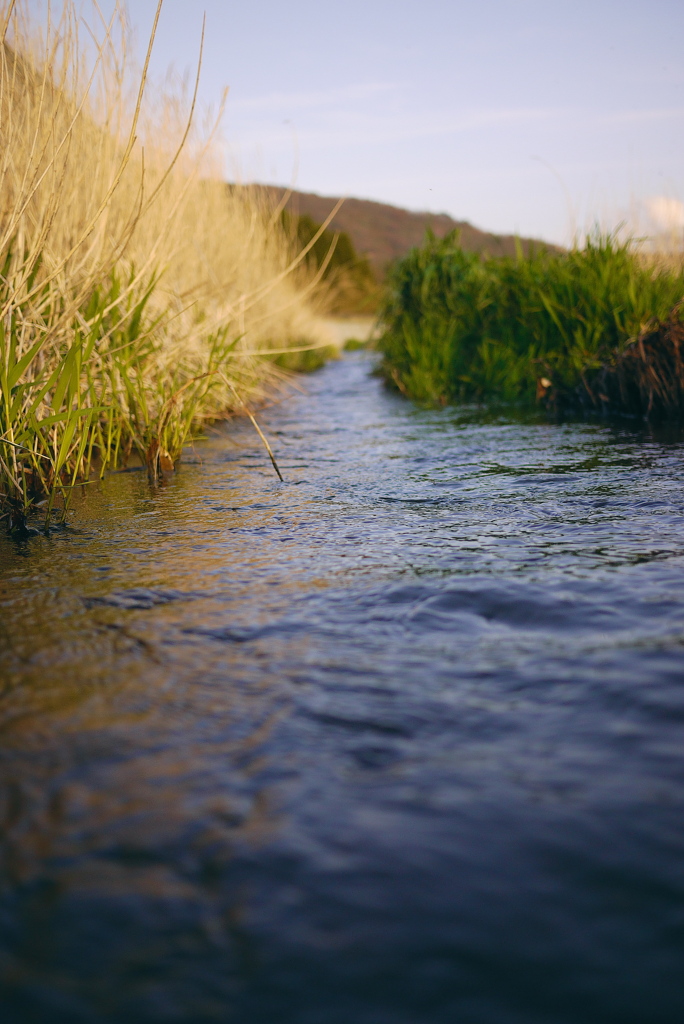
(384, 233)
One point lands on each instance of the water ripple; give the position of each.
(399, 741)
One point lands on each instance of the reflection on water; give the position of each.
(400, 741)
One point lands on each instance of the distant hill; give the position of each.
(384, 233)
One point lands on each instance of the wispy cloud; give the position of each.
(278, 101)
(635, 116)
(353, 127)
(373, 114)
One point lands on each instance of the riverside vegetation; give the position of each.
(597, 327)
(139, 298)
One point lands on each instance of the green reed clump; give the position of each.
(462, 327)
(81, 388)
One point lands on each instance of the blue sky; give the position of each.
(528, 116)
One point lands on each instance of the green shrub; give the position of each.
(462, 327)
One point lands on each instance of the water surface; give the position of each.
(399, 741)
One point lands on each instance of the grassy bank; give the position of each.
(537, 327)
(138, 297)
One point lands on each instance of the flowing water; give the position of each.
(399, 741)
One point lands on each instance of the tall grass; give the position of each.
(139, 296)
(462, 327)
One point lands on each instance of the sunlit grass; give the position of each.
(460, 327)
(139, 296)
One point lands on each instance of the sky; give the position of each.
(542, 118)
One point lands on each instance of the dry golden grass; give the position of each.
(139, 296)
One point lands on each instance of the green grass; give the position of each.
(79, 396)
(355, 344)
(85, 385)
(459, 327)
(306, 359)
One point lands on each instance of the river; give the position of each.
(398, 741)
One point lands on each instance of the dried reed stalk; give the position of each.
(140, 296)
